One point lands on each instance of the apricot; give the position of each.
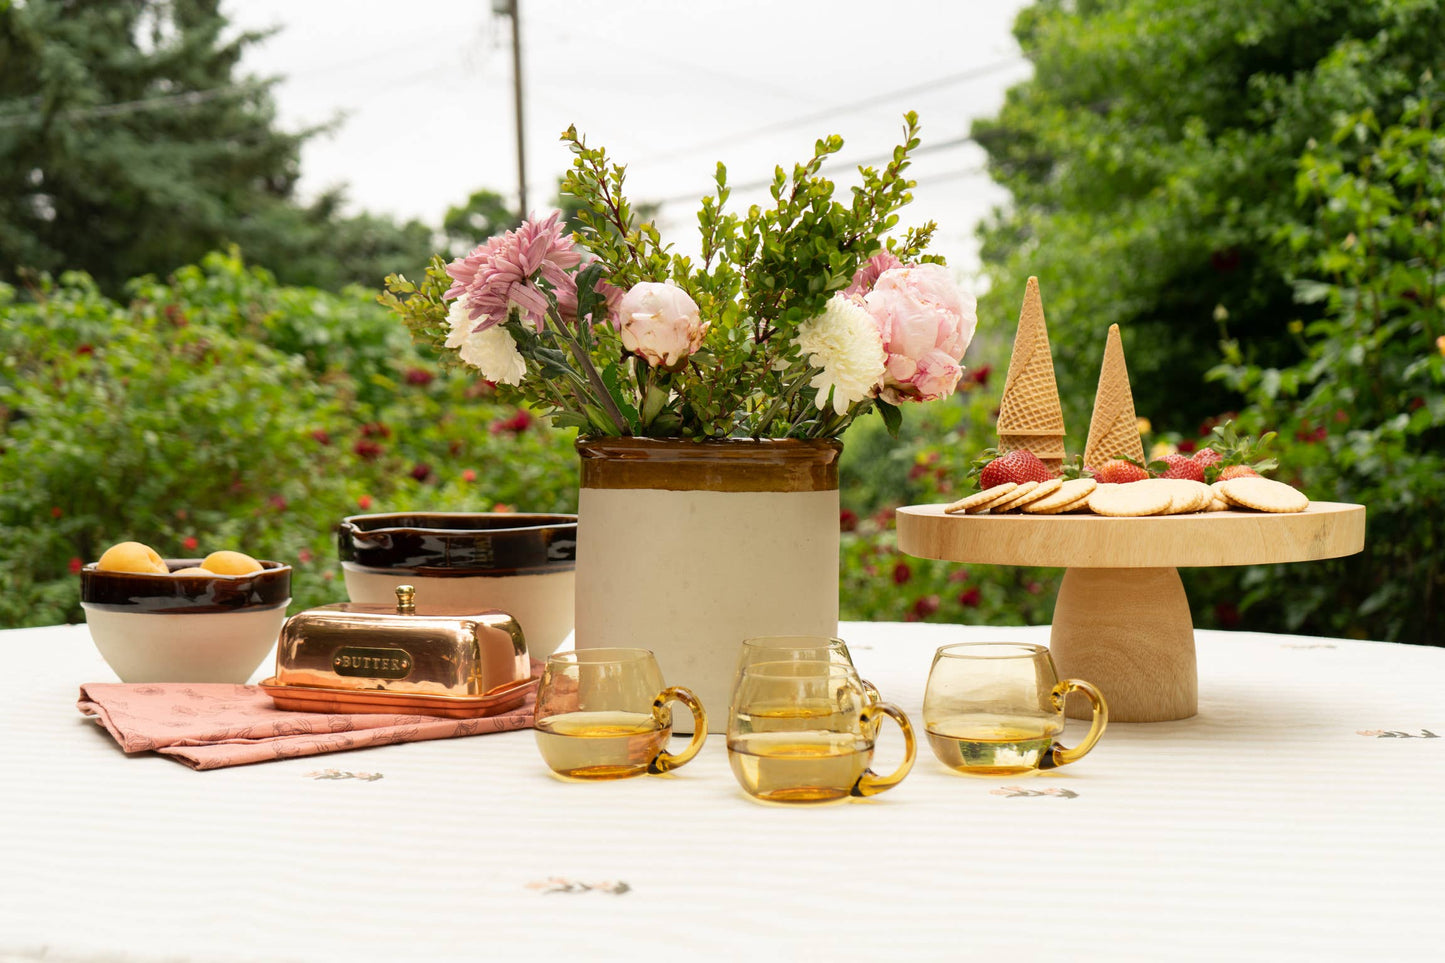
(131, 557)
(230, 563)
(195, 571)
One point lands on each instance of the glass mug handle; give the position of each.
(1059, 755)
(666, 761)
(870, 783)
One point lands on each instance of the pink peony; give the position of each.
(926, 323)
(868, 274)
(502, 274)
(661, 323)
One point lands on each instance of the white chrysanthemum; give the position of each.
(845, 343)
(493, 352)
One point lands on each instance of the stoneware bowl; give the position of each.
(185, 628)
(522, 564)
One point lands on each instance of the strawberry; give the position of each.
(1019, 465)
(1182, 466)
(1206, 457)
(1239, 452)
(1118, 471)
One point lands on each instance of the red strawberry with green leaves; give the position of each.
(1018, 466)
(1182, 466)
(1120, 471)
(1205, 457)
(1238, 452)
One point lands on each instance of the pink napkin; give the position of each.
(209, 726)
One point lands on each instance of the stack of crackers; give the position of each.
(1031, 417)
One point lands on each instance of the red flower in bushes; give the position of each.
(847, 520)
(304, 556)
(75, 566)
(277, 502)
(375, 429)
(364, 502)
(917, 471)
(190, 543)
(1186, 447)
(883, 517)
(56, 511)
(85, 349)
(979, 375)
(923, 607)
(421, 471)
(970, 597)
(321, 436)
(901, 573)
(1226, 614)
(518, 423)
(419, 377)
(958, 575)
(368, 450)
(468, 475)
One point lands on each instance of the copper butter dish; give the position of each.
(408, 658)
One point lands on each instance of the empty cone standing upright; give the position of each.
(1029, 414)
(1113, 427)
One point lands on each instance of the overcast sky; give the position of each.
(424, 93)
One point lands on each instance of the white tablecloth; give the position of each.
(1298, 816)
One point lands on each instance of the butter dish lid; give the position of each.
(416, 653)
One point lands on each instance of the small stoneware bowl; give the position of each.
(522, 564)
(185, 628)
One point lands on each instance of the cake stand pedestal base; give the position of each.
(1129, 632)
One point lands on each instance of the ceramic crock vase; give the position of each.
(686, 548)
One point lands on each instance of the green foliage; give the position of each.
(130, 144)
(1151, 159)
(221, 407)
(1361, 412)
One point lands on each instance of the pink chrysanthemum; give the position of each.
(504, 272)
(868, 274)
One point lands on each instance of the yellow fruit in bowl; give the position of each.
(195, 570)
(131, 557)
(230, 563)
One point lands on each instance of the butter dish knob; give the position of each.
(406, 600)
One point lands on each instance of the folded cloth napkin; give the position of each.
(209, 726)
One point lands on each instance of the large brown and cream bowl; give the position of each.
(185, 628)
(520, 563)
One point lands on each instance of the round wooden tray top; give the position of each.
(1324, 530)
(1122, 620)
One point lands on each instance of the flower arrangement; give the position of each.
(795, 319)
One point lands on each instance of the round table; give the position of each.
(1122, 620)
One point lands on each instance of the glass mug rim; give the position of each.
(608, 655)
(781, 670)
(991, 650)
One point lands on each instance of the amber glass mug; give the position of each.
(604, 714)
(803, 731)
(800, 648)
(994, 708)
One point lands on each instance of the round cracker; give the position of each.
(1045, 489)
(1217, 504)
(978, 501)
(1264, 495)
(1129, 500)
(1005, 503)
(1068, 494)
(1184, 495)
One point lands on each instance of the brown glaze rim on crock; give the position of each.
(716, 465)
(458, 544)
(185, 594)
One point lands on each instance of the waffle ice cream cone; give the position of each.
(1113, 428)
(1029, 414)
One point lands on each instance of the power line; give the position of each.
(767, 181)
(187, 99)
(848, 108)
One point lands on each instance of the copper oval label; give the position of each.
(356, 660)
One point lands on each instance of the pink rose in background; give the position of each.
(661, 323)
(926, 323)
(868, 274)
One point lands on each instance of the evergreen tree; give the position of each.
(131, 144)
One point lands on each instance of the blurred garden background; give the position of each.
(194, 354)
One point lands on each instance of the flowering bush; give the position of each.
(798, 318)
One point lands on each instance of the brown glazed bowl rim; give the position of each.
(154, 592)
(458, 543)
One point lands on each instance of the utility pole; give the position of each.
(508, 8)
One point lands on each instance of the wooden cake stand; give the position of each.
(1121, 620)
